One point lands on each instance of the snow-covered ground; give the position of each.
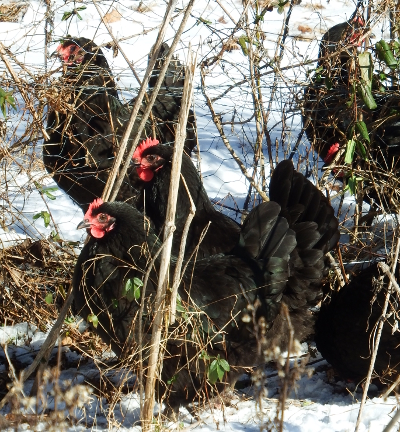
(317, 403)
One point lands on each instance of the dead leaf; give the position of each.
(112, 16)
(304, 29)
(17, 276)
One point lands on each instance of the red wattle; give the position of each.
(145, 174)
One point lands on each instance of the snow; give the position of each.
(316, 404)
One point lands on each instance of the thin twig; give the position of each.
(392, 422)
(180, 136)
(113, 183)
(140, 330)
(391, 388)
(225, 140)
(179, 262)
(22, 91)
(285, 313)
(146, 114)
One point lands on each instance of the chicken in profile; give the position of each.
(154, 164)
(279, 257)
(84, 134)
(346, 326)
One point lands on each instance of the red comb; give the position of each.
(333, 149)
(145, 144)
(93, 206)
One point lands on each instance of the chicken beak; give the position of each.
(84, 224)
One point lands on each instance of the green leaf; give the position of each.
(44, 215)
(114, 303)
(243, 44)
(204, 356)
(49, 195)
(46, 218)
(366, 94)
(351, 145)
(132, 289)
(281, 6)
(224, 365)
(362, 150)
(362, 128)
(217, 369)
(54, 236)
(92, 318)
(365, 84)
(49, 298)
(385, 53)
(69, 320)
(204, 21)
(46, 191)
(66, 16)
(11, 101)
(213, 372)
(352, 185)
(77, 14)
(171, 380)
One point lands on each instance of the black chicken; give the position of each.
(154, 164)
(345, 327)
(84, 135)
(325, 117)
(334, 105)
(81, 144)
(279, 258)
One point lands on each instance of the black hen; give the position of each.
(84, 135)
(333, 110)
(276, 260)
(82, 143)
(346, 326)
(325, 117)
(154, 164)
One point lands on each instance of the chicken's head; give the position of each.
(147, 162)
(71, 53)
(96, 221)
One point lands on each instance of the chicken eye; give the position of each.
(102, 217)
(151, 158)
